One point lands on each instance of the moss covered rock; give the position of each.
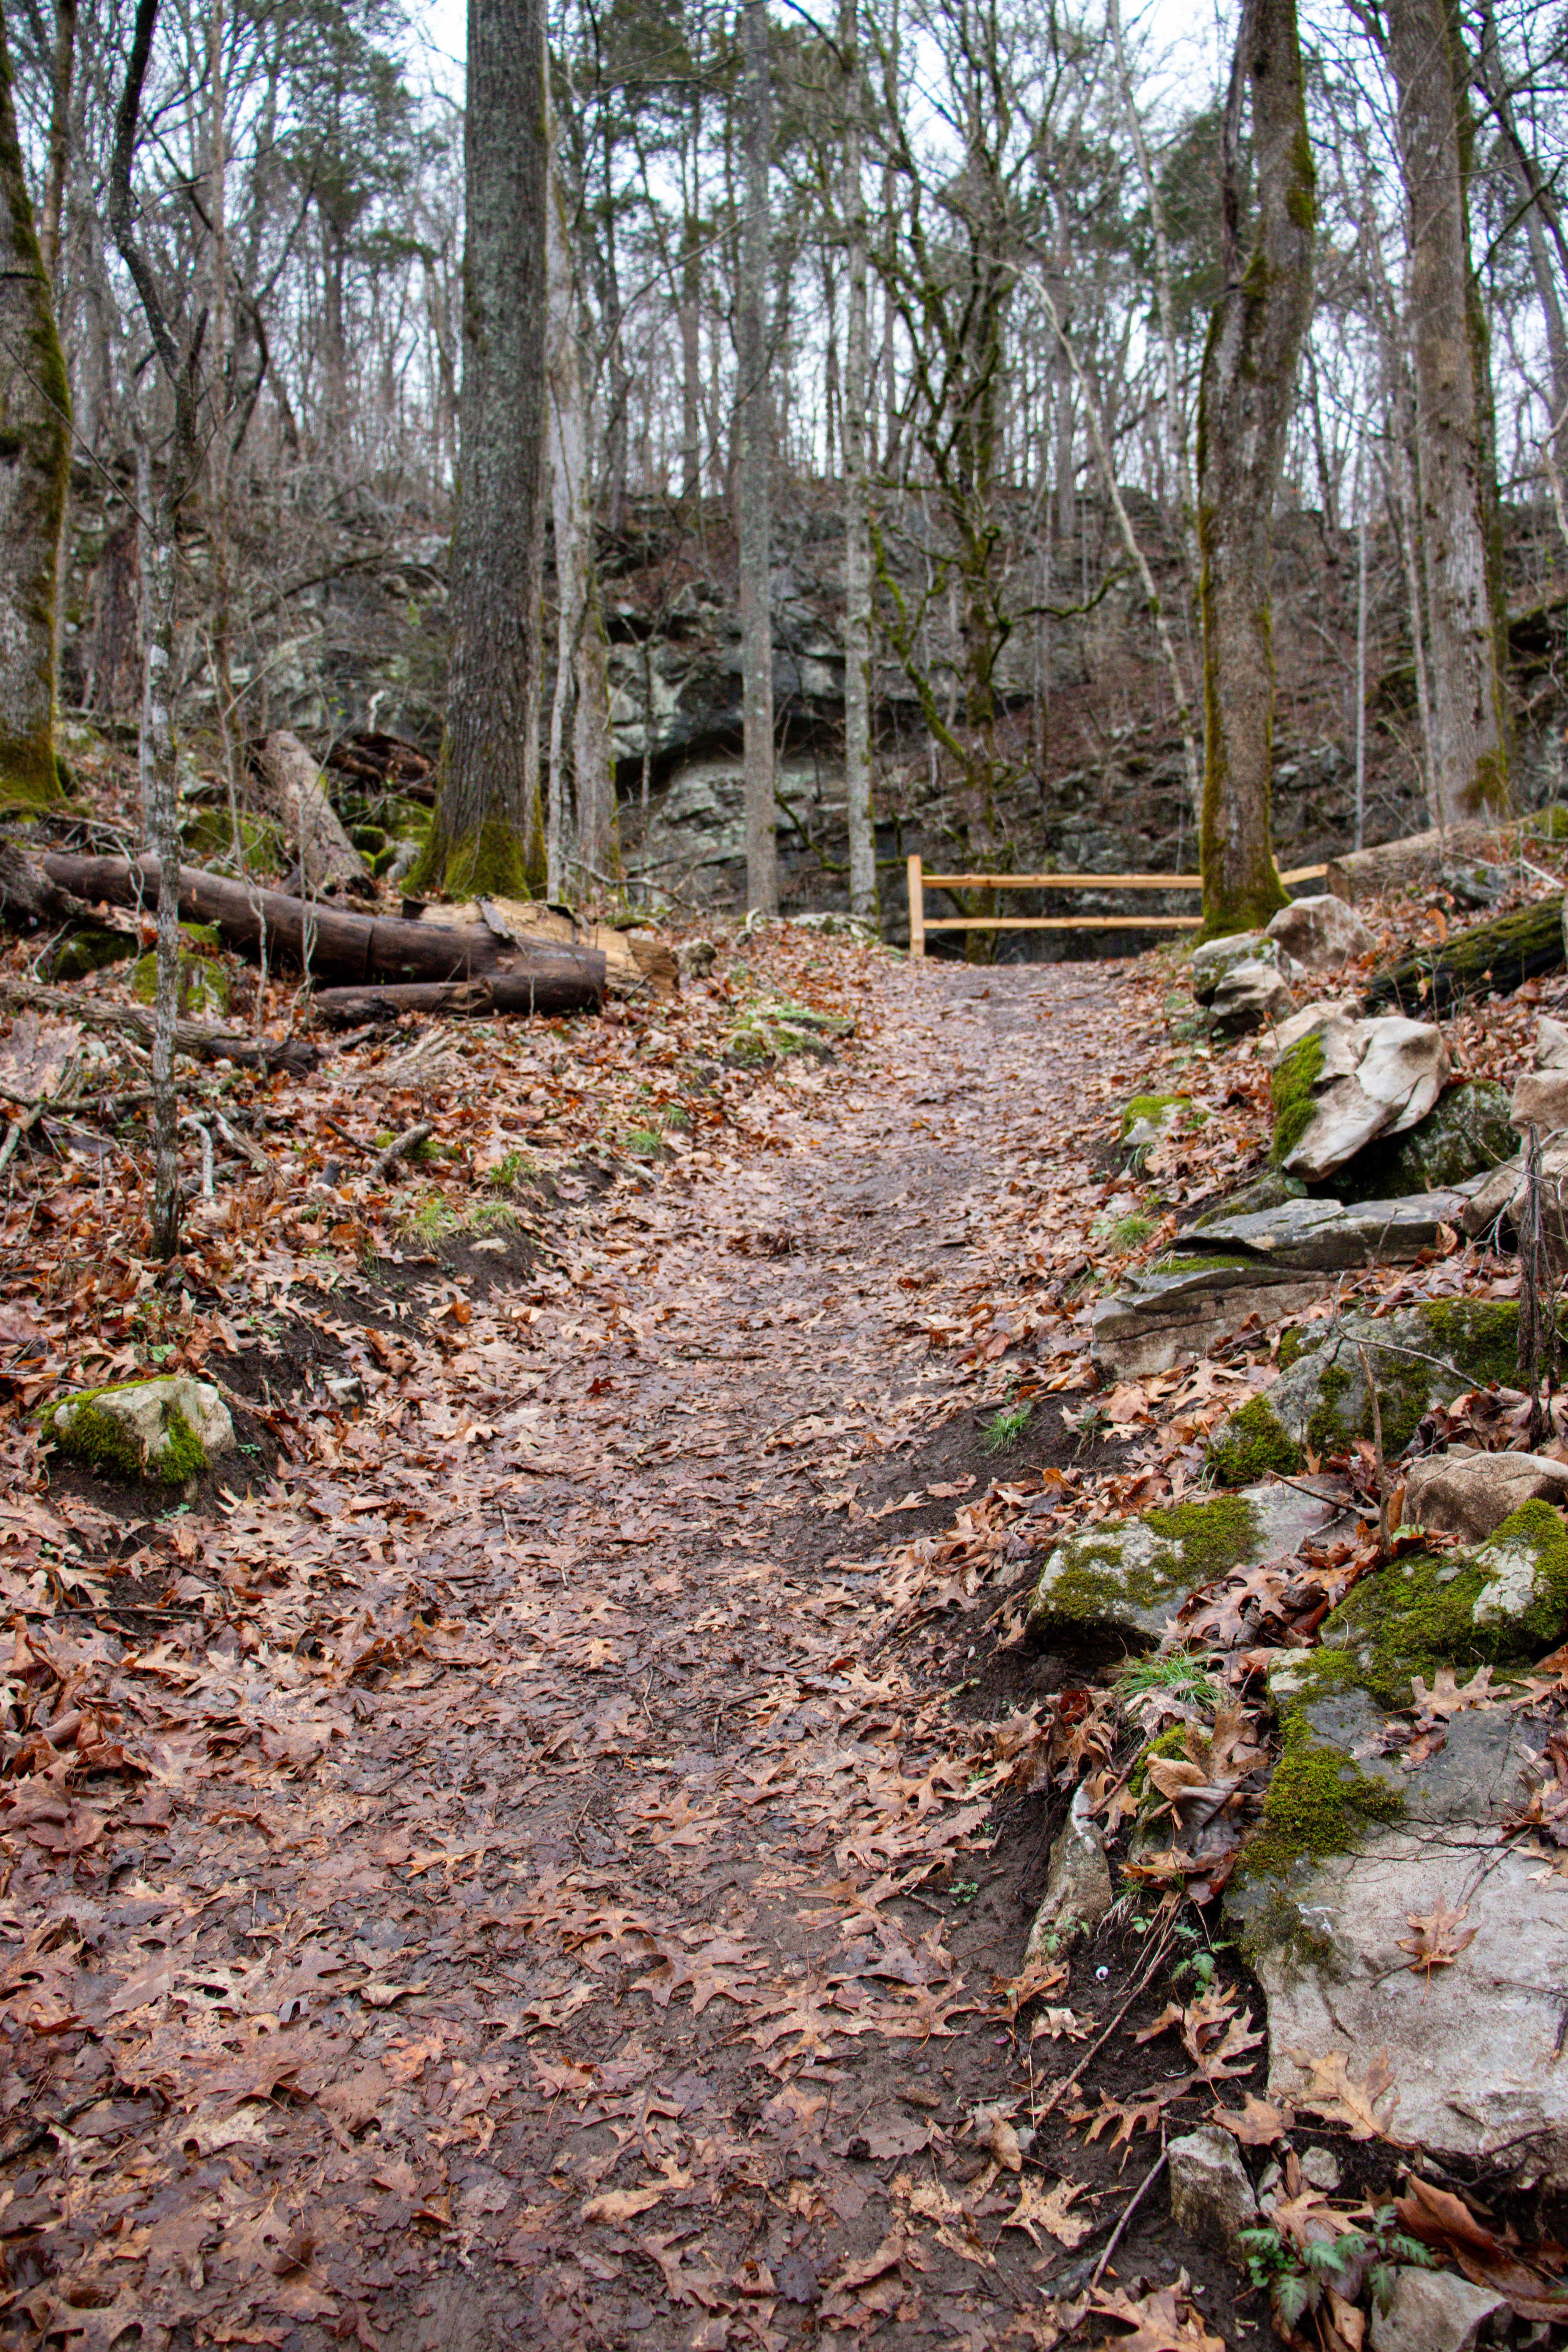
(1424, 1355)
(204, 981)
(1115, 1588)
(88, 948)
(171, 1429)
(1467, 1133)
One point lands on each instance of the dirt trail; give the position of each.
(611, 1962)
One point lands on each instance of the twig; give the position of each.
(1120, 2231)
(1377, 1442)
(1142, 1986)
(400, 1147)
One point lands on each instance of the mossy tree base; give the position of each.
(492, 861)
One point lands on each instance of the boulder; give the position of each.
(1148, 1120)
(1347, 1082)
(1465, 1134)
(1211, 961)
(1539, 1101)
(170, 1429)
(1421, 1356)
(1550, 1042)
(1269, 1191)
(1435, 2311)
(1114, 1587)
(1230, 1267)
(203, 977)
(1211, 2193)
(1323, 933)
(1354, 1852)
(1250, 996)
(1469, 1495)
(1079, 1892)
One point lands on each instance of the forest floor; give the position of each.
(552, 1863)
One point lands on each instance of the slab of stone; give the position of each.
(1540, 1101)
(1212, 2195)
(1323, 933)
(1268, 1262)
(1435, 2311)
(1251, 996)
(1114, 1587)
(1079, 1892)
(1469, 1495)
(1211, 961)
(1472, 2048)
(1346, 1083)
(1421, 1356)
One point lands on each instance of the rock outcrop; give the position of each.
(1342, 1084)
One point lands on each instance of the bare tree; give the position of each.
(179, 362)
(35, 478)
(1245, 399)
(754, 476)
(856, 393)
(488, 831)
(1453, 407)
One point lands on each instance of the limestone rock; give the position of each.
(1115, 1587)
(1269, 1191)
(1322, 932)
(1540, 1100)
(1079, 1892)
(1435, 2311)
(1490, 1205)
(1311, 1021)
(171, 1429)
(1148, 1120)
(1211, 961)
(1321, 2168)
(1251, 995)
(1211, 2193)
(204, 978)
(1421, 1356)
(1550, 1042)
(1465, 1135)
(1351, 1850)
(1470, 1494)
(1346, 1083)
(1230, 1265)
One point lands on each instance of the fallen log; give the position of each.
(28, 897)
(325, 939)
(1488, 960)
(331, 865)
(295, 1054)
(495, 992)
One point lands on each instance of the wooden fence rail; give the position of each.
(921, 882)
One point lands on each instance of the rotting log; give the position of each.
(327, 858)
(1488, 960)
(500, 991)
(28, 897)
(295, 1054)
(326, 941)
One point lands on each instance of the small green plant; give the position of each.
(1296, 2273)
(1122, 1233)
(430, 1220)
(964, 1890)
(1005, 1427)
(492, 1217)
(641, 1141)
(1201, 1963)
(509, 1172)
(1176, 1672)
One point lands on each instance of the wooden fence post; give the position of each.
(917, 909)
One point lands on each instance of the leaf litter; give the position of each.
(517, 1864)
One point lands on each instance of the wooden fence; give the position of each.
(921, 882)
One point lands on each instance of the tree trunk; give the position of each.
(1453, 404)
(581, 673)
(328, 862)
(857, 525)
(754, 484)
(1245, 398)
(35, 479)
(488, 833)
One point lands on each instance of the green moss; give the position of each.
(1150, 1107)
(1253, 1443)
(1478, 1336)
(96, 1438)
(1292, 1347)
(1210, 1536)
(1204, 1261)
(88, 950)
(1548, 824)
(204, 981)
(1319, 1801)
(1428, 1610)
(491, 862)
(1291, 1090)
